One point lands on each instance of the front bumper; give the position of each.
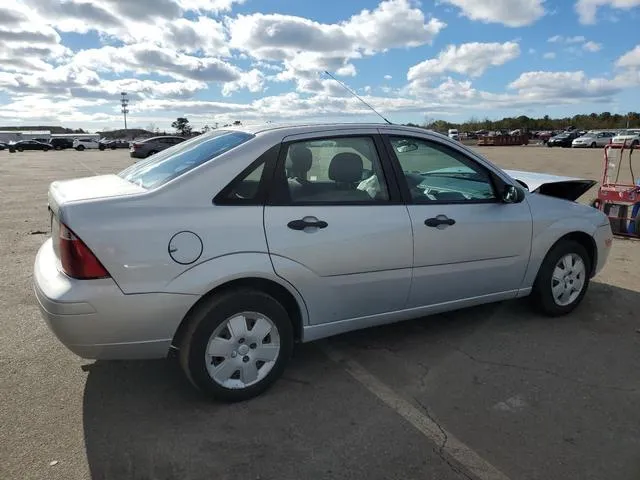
(604, 241)
(95, 320)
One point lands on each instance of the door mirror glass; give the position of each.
(512, 194)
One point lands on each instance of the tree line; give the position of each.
(593, 121)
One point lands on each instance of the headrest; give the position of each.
(301, 159)
(346, 168)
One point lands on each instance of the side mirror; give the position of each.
(512, 194)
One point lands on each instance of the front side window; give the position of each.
(335, 170)
(436, 173)
(178, 159)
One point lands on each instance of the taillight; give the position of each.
(76, 258)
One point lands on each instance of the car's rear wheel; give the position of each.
(80, 148)
(563, 279)
(237, 345)
(593, 145)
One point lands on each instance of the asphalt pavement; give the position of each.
(494, 392)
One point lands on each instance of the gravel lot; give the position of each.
(534, 398)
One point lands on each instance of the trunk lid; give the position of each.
(89, 188)
(568, 188)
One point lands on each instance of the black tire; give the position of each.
(542, 296)
(113, 148)
(20, 150)
(593, 145)
(209, 316)
(80, 148)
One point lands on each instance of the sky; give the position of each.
(65, 62)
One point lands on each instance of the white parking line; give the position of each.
(450, 445)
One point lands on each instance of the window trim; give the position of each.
(279, 193)
(269, 158)
(461, 156)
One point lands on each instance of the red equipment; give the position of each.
(619, 201)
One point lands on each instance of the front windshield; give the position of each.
(175, 161)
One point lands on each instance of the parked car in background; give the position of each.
(629, 136)
(592, 140)
(81, 144)
(453, 134)
(29, 145)
(240, 242)
(149, 146)
(113, 144)
(58, 143)
(3, 145)
(564, 139)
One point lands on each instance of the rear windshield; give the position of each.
(178, 159)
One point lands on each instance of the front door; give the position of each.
(467, 242)
(336, 228)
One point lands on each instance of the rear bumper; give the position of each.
(95, 320)
(137, 154)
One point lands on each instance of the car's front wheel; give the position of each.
(563, 279)
(237, 345)
(80, 148)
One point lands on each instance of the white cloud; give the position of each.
(587, 9)
(549, 55)
(512, 13)
(568, 40)
(592, 46)
(148, 58)
(215, 6)
(388, 77)
(631, 59)
(307, 47)
(471, 59)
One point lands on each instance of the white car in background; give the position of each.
(84, 143)
(453, 134)
(593, 140)
(631, 137)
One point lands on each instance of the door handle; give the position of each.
(440, 220)
(304, 223)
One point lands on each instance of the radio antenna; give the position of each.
(356, 95)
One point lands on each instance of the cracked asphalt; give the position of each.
(534, 397)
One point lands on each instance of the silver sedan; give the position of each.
(233, 245)
(593, 140)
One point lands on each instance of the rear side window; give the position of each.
(174, 161)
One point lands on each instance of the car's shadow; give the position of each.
(143, 420)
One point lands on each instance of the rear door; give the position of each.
(467, 242)
(336, 227)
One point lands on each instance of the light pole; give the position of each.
(124, 102)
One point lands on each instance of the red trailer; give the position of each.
(620, 199)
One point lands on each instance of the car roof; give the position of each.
(159, 137)
(297, 128)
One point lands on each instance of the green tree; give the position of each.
(182, 126)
